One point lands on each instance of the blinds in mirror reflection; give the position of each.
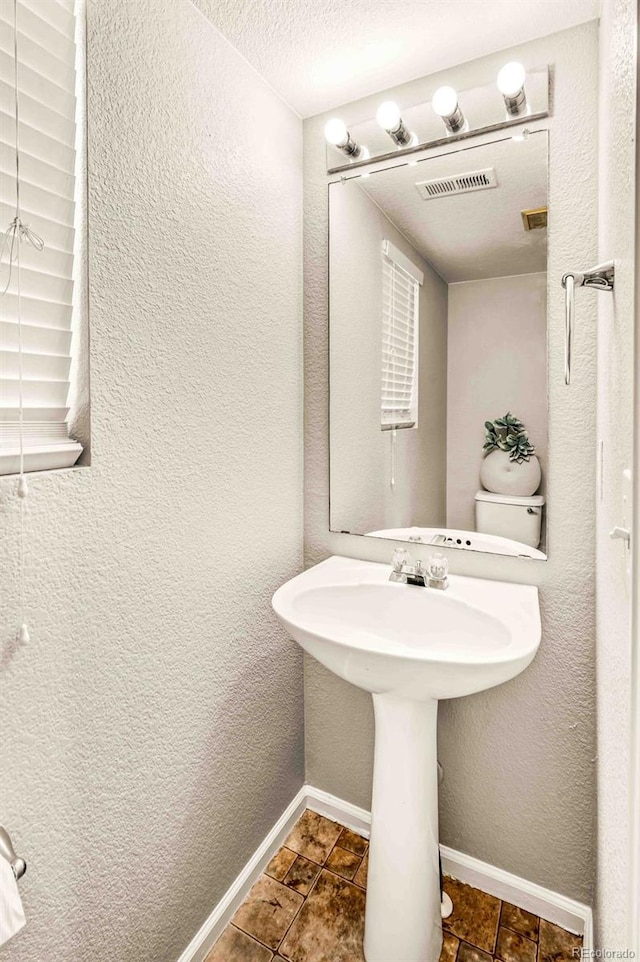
(400, 302)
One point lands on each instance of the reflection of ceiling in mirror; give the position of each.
(472, 235)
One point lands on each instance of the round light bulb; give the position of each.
(445, 101)
(388, 115)
(335, 132)
(511, 79)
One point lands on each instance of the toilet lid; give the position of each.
(535, 501)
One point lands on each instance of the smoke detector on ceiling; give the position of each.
(459, 184)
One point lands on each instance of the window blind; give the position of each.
(400, 305)
(47, 143)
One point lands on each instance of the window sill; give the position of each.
(42, 458)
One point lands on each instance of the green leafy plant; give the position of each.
(508, 434)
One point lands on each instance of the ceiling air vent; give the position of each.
(460, 184)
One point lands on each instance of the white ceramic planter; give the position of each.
(498, 473)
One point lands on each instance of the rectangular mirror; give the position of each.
(438, 349)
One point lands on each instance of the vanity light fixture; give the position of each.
(445, 104)
(388, 116)
(511, 85)
(336, 134)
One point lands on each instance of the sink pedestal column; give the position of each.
(403, 920)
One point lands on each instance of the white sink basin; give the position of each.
(409, 646)
(419, 643)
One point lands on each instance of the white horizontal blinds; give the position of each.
(400, 301)
(47, 142)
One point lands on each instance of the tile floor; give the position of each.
(309, 907)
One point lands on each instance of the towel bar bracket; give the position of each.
(600, 278)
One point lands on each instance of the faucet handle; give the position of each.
(399, 559)
(438, 567)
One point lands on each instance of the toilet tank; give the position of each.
(510, 516)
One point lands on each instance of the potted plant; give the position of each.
(510, 465)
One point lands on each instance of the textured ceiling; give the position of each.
(473, 235)
(318, 54)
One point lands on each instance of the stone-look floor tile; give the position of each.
(235, 946)
(301, 875)
(361, 874)
(449, 947)
(475, 915)
(469, 953)
(280, 864)
(557, 945)
(330, 924)
(267, 911)
(313, 836)
(343, 863)
(520, 921)
(353, 842)
(513, 947)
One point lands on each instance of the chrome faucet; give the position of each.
(435, 575)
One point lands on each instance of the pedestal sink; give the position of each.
(408, 646)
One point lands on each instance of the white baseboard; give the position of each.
(357, 819)
(556, 908)
(213, 927)
(565, 912)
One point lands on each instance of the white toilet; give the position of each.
(510, 516)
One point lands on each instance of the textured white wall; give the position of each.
(615, 428)
(503, 322)
(362, 499)
(152, 729)
(519, 760)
